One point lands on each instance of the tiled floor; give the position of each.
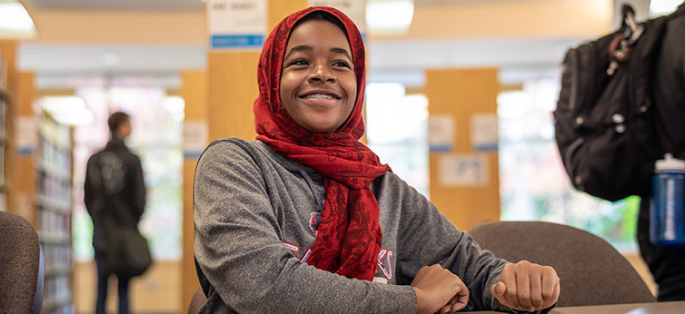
(158, 291)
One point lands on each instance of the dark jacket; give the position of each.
(115, 189)
(667, 263)
(669, 87)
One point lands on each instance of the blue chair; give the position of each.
(22, 266)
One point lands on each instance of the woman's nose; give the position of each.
(321, 73)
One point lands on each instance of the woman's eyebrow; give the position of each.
(341, 51)
(298, 49)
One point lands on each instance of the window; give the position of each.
(156, 120)
(533, 182)
(397, 131)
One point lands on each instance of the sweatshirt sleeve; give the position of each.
(239, 249)
(427, 237)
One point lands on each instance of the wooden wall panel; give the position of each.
(461, 93)
(8, 49)
(25, 177)
(232, 91)
(278, 10)
(223, 96)
(194, 93)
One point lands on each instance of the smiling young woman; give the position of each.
(306, 219)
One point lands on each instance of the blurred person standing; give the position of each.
(114, 195)
(667, 263)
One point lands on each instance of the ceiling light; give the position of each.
(389, 17)
(15, 22)
(68, 110)
(110, 59)
(663, 7)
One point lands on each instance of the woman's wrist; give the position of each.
(420, 304)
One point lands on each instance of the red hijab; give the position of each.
(349, 237)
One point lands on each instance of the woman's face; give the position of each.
(318, 85)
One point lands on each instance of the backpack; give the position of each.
(603, 120)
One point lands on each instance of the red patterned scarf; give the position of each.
(349, 237)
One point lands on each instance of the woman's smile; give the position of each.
(320, 98)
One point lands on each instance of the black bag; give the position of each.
(603, 118)
(128, 253)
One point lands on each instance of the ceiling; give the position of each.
(157, 5)
(403, 61)
(389, 61)
(164, 5)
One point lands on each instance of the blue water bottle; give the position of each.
(667, 220)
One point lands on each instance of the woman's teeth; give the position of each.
(320, 96)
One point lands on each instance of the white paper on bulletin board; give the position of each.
(354, 9)
(484, 131)
(27, 135)
(195, 136)
(237, 24)
(440, 133)
(463, 170)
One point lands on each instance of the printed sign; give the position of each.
(484, 131)
(237, 24)
(27, 135)
(463, 170)
(440, 133)
(195, 135)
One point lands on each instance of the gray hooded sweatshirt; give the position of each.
(255, 219)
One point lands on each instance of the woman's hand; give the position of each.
(439, 291)
(527, 286)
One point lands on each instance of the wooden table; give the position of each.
(637, 308)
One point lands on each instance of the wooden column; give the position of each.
(460, 94)
(194, 93)
(25, 159)
(232, 91)
(223, 97)
(8, 49)
(279, 9)
(233, 86)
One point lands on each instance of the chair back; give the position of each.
(22, 264)
(197, 301)
(591, 271)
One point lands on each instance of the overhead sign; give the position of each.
(237, 24)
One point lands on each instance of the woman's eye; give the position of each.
(341, 64)
(299, 62)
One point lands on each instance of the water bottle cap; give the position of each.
(670, 163)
